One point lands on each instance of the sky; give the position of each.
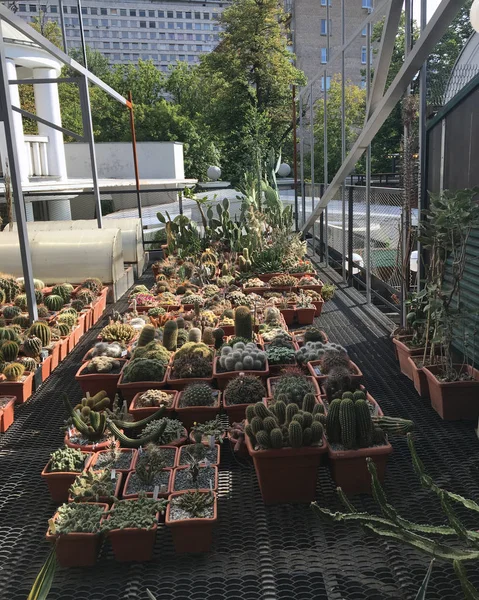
(431, 7)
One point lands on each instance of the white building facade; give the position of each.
(126, 31)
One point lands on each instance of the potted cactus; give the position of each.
(147, 403)
(100, 373)
(141, 374)
(7, 404)
(75, 531)
(96, 486)
(197, 402)
(293, 384)
(62, 469)
(239, 358)
(304, 310)
(16, 381)
(131, 527)
(153, 469)
(195, 476)
(352, 436)
(120, 459)
(199, 452)
(239, 393)
(191, 516)
(236, 436)
(286, 445)
(283, 283)
(280, 357)
(192, 363)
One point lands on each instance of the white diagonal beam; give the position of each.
(20, 25)
(433, 32)
(385, 53)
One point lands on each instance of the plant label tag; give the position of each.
(51, 525)
(113, 474)
(211, 486)
(87, 458)
(212, 442)
(156, 491)
(124, 353)
(44, 354)
(140, 450)
(241, 374)
(163, 488)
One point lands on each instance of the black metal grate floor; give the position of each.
(269, 553)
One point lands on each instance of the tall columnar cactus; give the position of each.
(333, 426)
(9, 350)
(9, 287)
(243, 323)
(218, 337)
(207, 337)
(365, 426)
(41, 330)
(147, 335)
(347, 420)
(54, 302)
(170, 335)
(32, 346)
(194, 335)
(2, 297)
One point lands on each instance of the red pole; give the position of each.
(135, 162)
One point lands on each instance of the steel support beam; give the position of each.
(6, 117)
(301, 160)
(311, 126)
(433, 32)
(30, 115)
(385, 53)
(343, 134)
(422, 198)
(62, 24)
(367, 241)
(20, 25)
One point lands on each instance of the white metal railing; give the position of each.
(37, 155)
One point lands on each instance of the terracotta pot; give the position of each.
(180, 384)
(192, 535)
(316, 287)
(81, 323)
(184, 468)
(129, 390)
(298, 339)
(141, 413)
(213, 464)
(305, 316)
(419, 378)
(403, 352)
(132, 451)
(55, 354)
(156, 270)
(22, 390)
(267, 276)
(165, 447)
(133, 544)
(96, 382)
(46, 367)
(99, 305)
(454, 400)
(319, 307)
(312, 365)
(288, 475)
(102, 499)
(59, 482)
(288, 315)
(7, 412)
(88, 447)
(164, 494)
(236, 412)
(76, 549)
(256, 290)
(272, 381)
(349, 469)
(64, 347)
(222, 379)
(197, 414)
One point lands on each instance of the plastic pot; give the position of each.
(97, 382)
(192, 535)
(314, 364)
(403, 353)
(273, 380)
(141, 413)
(222, 379)
(132, 543)
(419, 378)
(134, 455)
(180, 384)
(184, 468)
(457, 399)
(93, 447)
(7, 411)
(164, 494)
(129, 390)
(22, 390)
(288, 315)
(59, 482)
(197, 414)
(305, 316)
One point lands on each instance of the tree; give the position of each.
(98, 63)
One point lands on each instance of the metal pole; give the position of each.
(301, 160)
(135, 162)
(82, 34)
(343, 135)
(350, 234)
(6, 116)
(62, 25)
(180, 201)
(311, 125)
(321, 230)
(367, 245)
(88, 133)
(325, 160)
(295, 161)
(422, 197)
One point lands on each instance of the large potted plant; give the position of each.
(141, 374)
(191, 515)
(286, 447)
(62, 469)
(453, 384)
(239, 358)
(131, 527)
(16, 381)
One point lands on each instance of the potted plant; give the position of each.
(96, 486)
(293, 384)
(309, 282)
(304, 311)
(191, 516)
(239, 393)
(119, 459)
(203, 454)
(286, 448)
(195, 476)
(131, 527)
(246, 358)
(15, 381)
(237, 438)
(197, 402)
(141, 374)
(353, 436)
(152, 470)
(211, 431)
(147, 403)
(100, 373)
(192, 363)
(62, 469)
(172, 431)
(7, 404)
(75, 531)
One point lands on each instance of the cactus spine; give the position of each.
(147, 335)
(170, 335)
(42, 331)
(243, 323)
(347, 420)
(364, 424)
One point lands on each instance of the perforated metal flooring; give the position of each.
(269, 553)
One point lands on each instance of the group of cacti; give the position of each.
(285, 425)
(242, 357)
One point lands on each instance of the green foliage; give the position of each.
(138, 514)
(32, 346)
(171, 430)
(78, 517)
(170, 335)
(144, 369)
(54, 302)
(93, 485)
(118, 332)
(67, 460)
(150, 463)
(147, 335)
(292, 387)
(14, 371)
(242, 357)
(278, 355)
(196, 504)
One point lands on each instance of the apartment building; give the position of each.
(310, 25)
(126, 31)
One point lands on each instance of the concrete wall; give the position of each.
(156, 160)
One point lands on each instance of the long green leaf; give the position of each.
(421, 595)
(470, 592)
(43, 582)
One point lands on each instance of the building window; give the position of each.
(179, 14)
(151, 24)
(323, 3)
(197, 25)
(169, 14)
(206, 16)
(324, 55)
(364, 32)
(197, 15)
(106, 44)
(171, 25)
(142, 13)
(161, 14)
(65, 9)
(53, 9)
(122, 12)
(324, 27)
(104, 22)
(132, 12)
(22, 7)
(364, 55)
(74, 10)
(33, 8)
(328, 83)
(191, 58)
(116, 44)
(368, 4)
(187, 15)
(215, 15)
(179, 26)
(151, 14)
(143, 24)
(104, 11)
(189, 26)
(172, 36)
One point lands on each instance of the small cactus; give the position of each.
(147, 335)
(32, 346)
(170, 335)
(194, 335)
(14, 371)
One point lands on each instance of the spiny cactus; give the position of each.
(64, 290)
(9, 350)
(147, 335)
(32, 346)
(144, 369)
(64, 329)
(118, 332)
(194, 335)
(192, 348)
(10, 312)
(293, 385)
(41, 330)
(94, 284)
(207, 337)
(243, 323)
(197, 394)
(283, 281)
(196, 365)
(54, 302)
(14, 371)
(218, 337)
(333, 426)
(8, 333)
(245, 389)
(9, 287)
(347, 420)
(242, 357)
(170, 335)
(21, 321)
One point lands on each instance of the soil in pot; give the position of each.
(191, 533)
(212, 456)
(205, 481)
(134, 485)
(122, 462)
